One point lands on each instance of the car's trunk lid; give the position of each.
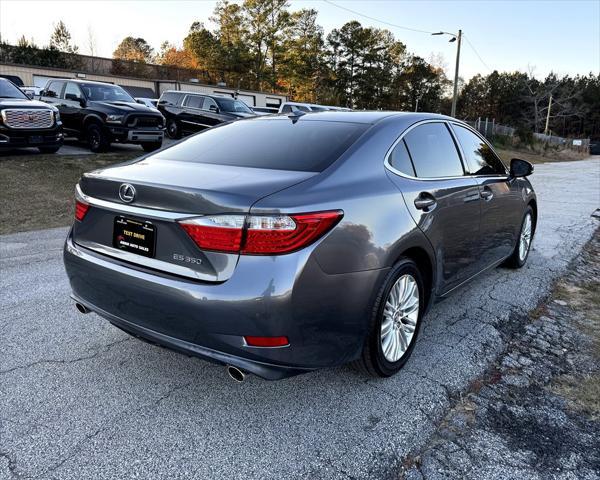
(166, 191)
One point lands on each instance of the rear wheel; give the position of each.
(521, 251)
(96, 139)
(151, 146)
(52, 149)
(173, 130)
(395, 321)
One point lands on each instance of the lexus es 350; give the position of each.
(279, 245)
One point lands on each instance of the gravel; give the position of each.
(80, 399)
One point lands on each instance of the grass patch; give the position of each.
(37, 191)
(507, 153)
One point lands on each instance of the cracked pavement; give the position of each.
(81, 399)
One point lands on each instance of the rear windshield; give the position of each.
(278, 144)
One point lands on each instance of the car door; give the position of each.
(444, 202)
(191, 116)
(502, 204)
(211, 115)
(71, 108)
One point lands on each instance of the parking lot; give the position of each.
(81, 399)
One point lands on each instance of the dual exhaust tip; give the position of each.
(234, 373)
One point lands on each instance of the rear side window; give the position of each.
(194, 101)
(169, 98)
(481, 159)
(276, 143)
(433, 151)
(400, 159)
(54, 89)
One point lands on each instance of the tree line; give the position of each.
(263, 45)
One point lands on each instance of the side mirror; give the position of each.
(213, 108)
(29, 95)
(520, 168)
(82, 102)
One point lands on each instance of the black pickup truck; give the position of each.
(27, 123)
(103, 113)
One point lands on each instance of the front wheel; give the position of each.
(173, 130)
(395, 321)
(151, 146)
(521, 251)
(96, 138)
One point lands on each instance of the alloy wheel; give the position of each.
(400, 316)
(525, 238)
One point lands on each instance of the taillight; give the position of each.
(257, 234)
(81, 208)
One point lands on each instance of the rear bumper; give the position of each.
(324, 316)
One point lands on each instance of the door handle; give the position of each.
(487, 194)
(425, 202)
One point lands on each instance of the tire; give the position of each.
(173, 129)
(374, 359)
(53, 149)
(151, 146)
(518, 257)
(96, 138)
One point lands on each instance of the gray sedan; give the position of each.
(282, 244)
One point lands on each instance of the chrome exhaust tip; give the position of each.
(81, 308)
(236, 374)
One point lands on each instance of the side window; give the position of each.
(194, 101)
(400, 159)
(480, 158)
(54, 89)
(72, 92)
(208, 103)
(433, 151)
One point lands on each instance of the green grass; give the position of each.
(37, 191)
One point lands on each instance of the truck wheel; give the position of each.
(173, 130)
(96, 139)
(151, 146)
(54, 149)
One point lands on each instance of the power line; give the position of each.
(476, 53)
(377, 19)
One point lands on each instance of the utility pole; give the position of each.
(455, 94)
(548, 115)
(417, 105)
(454, 38)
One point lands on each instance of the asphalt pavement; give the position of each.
(81, 399)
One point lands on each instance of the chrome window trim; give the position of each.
(389, 166)
(448, 123)
(131, 209)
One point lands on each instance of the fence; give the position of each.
(489, 128)
(577, 144)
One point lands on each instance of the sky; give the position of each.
(526, 35)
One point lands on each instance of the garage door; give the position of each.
(249, 100)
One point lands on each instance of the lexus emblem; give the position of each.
(127, 192)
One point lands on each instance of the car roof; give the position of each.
(359, 116)
(187, 92)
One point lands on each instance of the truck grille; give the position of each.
(150, 121)
(28, 118)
